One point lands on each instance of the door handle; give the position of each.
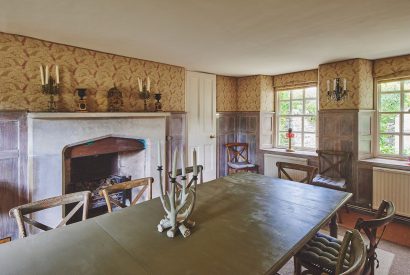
(212, 136)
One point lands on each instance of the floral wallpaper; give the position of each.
(296, 79)
(226, 93)
(249, 95)
(392, 67)
(267, 95)
(98, 72)
(358, 73)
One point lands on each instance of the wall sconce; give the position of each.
(339, 93)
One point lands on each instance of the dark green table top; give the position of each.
(246, 224)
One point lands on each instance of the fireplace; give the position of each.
(97, 163)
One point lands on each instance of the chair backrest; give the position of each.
(334, 163)
(237, 152)
(384, 216)
(19, 212)
(189, 170)
(283, 174)
(354, 246)
(145, 183)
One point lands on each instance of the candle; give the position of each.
(195, 168)
(174, 164)
(334, 84)
(46, 74)
(328, 85)
(57, 75)
(42, 75)
(148, 84)
(344, 84)
(182, 164)
(140, 84)
(159, 154)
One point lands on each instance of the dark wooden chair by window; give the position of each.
(384, 216)
(144, 183)
(19, 212)
(325, 254)
(238, 158)
(189, 170)
(284, 167)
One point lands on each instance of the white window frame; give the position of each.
(401, 133)
(278, 116)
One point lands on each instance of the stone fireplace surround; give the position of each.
(50, 133)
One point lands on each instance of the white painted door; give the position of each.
(201, 117)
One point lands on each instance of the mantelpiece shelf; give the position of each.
(68, 115)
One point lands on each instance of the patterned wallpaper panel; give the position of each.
(296, 79)
(20, 58)
(267, 95)
(226, 93)
(358, 74)
(392, 67)
(249, 94)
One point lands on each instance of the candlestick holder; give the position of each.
(290, 135)
(158, 104)
(51, 88)
(145, 95)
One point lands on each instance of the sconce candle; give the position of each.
(338, 93)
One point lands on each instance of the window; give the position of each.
(297, 109)
(394, 118)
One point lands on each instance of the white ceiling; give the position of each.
(230, 37)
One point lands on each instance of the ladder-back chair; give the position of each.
(283, 173)
(145, 183)
(19, 212)
(384, 216)
(238, 158)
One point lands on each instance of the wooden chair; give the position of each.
(238, 158)
(310, 171)
(333, 170)
(384, 216)
(145, 183)
(325, 254)
(189, 170)
(19, 212)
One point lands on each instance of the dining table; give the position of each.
(246, 223)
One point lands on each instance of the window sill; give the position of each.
(281, 151)
(387, 163)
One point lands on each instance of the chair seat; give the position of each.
(329, 182)
(241, 165)
(322, 251)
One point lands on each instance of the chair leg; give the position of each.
(297, 266)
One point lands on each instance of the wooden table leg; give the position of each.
(333, 226)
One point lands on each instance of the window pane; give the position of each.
(284, 124)
(310, 107)
(297, 107)
(283, 141)
(390, 86)
(406, 102)
(284, 107)
(296, 124)
(310, 124)
(390, 102)
(406, 123)
(297, 94)
(284, 95)
(297, 140)
(310, 92)
(389, 144)
(310, 140)
(406, 146)
(389, 123)
(407, 85)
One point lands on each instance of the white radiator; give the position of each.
(271, 170)
(392, 185)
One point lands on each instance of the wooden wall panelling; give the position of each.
(13, 169)
(365, 185)
(365, 134)
(226, 126)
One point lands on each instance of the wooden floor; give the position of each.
(395, 232)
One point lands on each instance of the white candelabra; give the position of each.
(178, 204)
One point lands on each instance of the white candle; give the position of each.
(46, 74)
(174, 164)
(42, 75)
(57, 75)
(148, 84)
(328, 85)
(334, 84)
(159, 154)
(140, 84)
(182, 164)
(344, 84)
(195, 168)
